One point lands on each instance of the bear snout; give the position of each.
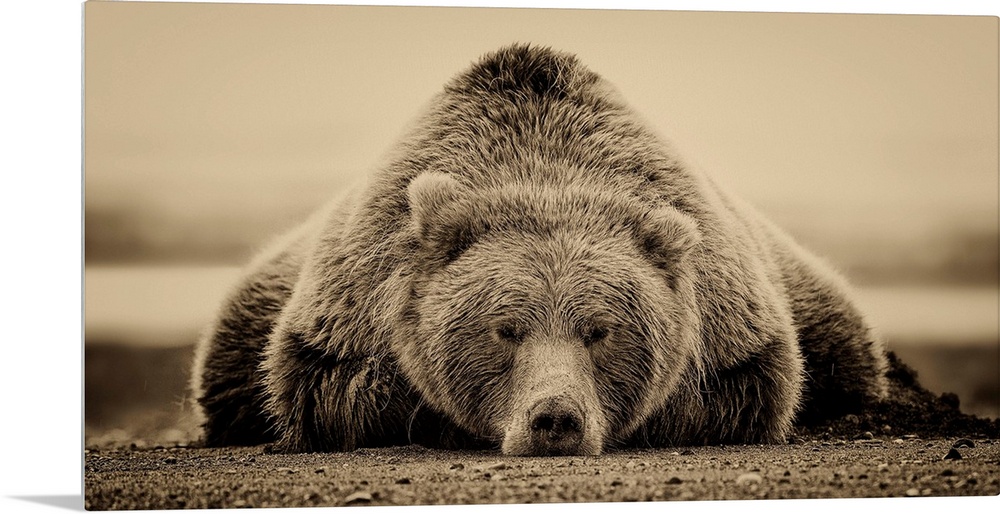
(557, 426)
(555, 410)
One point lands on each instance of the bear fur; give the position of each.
(533, 269)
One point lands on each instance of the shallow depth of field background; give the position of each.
(212, 128)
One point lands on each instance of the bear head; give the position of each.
(551, 320)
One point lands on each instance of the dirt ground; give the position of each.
(172, 478)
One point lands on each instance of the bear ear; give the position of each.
(667, 236)
(438, 228)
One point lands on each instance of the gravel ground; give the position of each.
(179, 477)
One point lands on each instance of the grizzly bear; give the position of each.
(534, 270)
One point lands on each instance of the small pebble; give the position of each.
(674, 480)
(457, 466)
(170, 460)
(964, 443)
(748, 478)
(502, 465)
(359, 497)
(953, 455)
(913, 491)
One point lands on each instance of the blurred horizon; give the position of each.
(962, 256)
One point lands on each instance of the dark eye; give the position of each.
(594, 334)
(511, 332)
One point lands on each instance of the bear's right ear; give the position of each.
(439, 228)
(667, 236)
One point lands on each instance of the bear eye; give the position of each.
(511, 332)
(594, 334)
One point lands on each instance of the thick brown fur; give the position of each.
(530, 218)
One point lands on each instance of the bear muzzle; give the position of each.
(555, 411)
(556, 426)
(553, 425)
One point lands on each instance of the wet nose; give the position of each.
(556, 427)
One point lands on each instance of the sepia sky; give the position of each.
(852, 124)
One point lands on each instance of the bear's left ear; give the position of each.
(439, 227)
(667, 236)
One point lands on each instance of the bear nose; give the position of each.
(556, 427)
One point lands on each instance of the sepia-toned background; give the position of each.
(211, 128)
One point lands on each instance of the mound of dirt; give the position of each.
(908, 410)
